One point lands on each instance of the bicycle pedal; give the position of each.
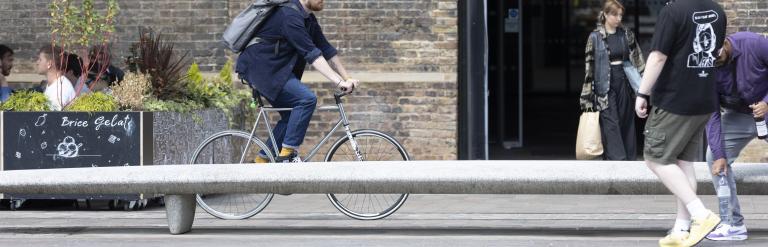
(293, 158)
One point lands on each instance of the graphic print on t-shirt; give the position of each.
(705, 41)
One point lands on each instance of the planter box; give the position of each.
(46, 140)
(176, 135)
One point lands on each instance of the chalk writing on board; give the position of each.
(41, 120)
(68, 148)
(65, 122)
(126, 123)
(113, 139)
(68, 139)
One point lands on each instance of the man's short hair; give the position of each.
(53, 52)
(4, 51)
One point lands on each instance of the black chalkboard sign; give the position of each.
(44, 140)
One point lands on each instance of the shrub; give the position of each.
(216, 92)
(225, 75)
(93, 102)
(26, 100)
(132, 91)
(204, 90)
(183, 106)
(154, 55)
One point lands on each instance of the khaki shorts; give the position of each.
(670, 137)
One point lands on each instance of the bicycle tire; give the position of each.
(221, 205)
(393, 202)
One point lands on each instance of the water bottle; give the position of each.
(724, 195)
(762, 129)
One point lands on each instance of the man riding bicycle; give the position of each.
(274, 64)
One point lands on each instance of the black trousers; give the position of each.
(617, 123)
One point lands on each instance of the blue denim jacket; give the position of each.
(291, 38)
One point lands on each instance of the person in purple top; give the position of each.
(744, 61)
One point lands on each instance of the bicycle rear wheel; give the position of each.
(231, 147)
(374, 146)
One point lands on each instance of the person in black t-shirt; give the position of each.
(679, 80)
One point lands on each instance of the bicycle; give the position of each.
(232, 147)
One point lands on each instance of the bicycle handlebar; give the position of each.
(337, 95)
(343, 92)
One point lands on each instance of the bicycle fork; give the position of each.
(348, 131)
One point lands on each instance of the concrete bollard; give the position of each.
(180, 211)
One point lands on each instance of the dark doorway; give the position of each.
(536, 71)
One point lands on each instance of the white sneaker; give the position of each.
(725, 232)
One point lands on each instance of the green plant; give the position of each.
(154, 55)
(93, 102)
(204, 90)
(26, 100)
(78, 28)
(236, 103)
(225, 75)
(194, 75)
(216, 92)
(183, 106)
(132, 91)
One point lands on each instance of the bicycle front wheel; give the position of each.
(231, 147)
(374, 146)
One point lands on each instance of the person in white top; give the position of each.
(59, 90)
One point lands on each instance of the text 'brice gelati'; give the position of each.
(99, 122)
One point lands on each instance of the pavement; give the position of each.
(424, 220)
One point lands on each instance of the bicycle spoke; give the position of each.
(230, 147)
(372, 147)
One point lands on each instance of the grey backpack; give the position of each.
(243, 28)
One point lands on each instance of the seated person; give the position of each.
(74, 72)
(6, 64)
(102, 72)
(58, 90)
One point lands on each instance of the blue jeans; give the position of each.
(292, 127)
(738, 130)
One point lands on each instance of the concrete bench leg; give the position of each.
(180, 211)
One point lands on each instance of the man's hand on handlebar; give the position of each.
(348, 86)
(354, 82)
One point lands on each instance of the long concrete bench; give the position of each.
(181, 182)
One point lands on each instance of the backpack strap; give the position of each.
(290, 4)
(256, 39)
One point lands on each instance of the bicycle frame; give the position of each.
(343, 121)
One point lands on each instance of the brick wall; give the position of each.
(386, 35)
(746, 15)
(193, 24)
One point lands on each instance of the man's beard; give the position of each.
(317, 6)
(6, 72)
